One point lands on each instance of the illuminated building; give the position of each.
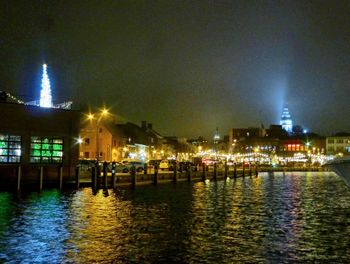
(33, 137)
(118, 141)
(286, 120)
(338, 144)
(37, 134)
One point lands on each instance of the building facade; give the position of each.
(33, 137)
(338, 145)
(118, 142)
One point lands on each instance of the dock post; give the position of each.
(60, 176)
(145, 169)
(189, 173)
(215, 171)
(41, 177)
(243, 169)
(98, 175)
(19, 176)
(155, 175)
(225, 170)
(77, 177)
(105, 185)
(113, 174)
(250, 170)
(93, 178)
(204, 172)
(133, 176)
(235, 170)
(256, 170)
(175, 174)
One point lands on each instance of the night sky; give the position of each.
(186, 66)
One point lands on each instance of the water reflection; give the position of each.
(36, 232)
(298, 217)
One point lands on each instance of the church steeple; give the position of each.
(216, 136)
(286, 120)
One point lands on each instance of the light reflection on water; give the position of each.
(302, 217)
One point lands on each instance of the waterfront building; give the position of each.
(118, 141)
(338, 144)
(286, 120)
(33, 137)
(38, 135)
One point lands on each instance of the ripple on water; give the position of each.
(297, 217)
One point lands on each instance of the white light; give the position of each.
(45, 93)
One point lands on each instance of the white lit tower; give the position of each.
(216, 136)
(286, 120)
(45, 93)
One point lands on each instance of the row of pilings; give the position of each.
(100, 178)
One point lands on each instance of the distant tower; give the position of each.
(45, 93)
(286, 120)
(216, 136)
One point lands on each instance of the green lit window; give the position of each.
(10, 149)
(46, 150)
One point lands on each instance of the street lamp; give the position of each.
(104, 112)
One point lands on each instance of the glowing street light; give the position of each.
(91, 116)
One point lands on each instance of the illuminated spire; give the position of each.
(45, 93)
(286, 120)
(216, 136)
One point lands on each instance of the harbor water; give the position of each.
(299, 217)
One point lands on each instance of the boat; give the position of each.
(340, 166)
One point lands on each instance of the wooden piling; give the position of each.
(215, 171)
(98, 175)
(256, 170)
(19, 177)
(41, 177)
(113, 174)
(93, 178)
(60, 176)
(133, 176)
(235, 170)
(243, 169)
(250, 170)
(105, 184)
(204, 172)
(175, 174)
(77, 177)
(225, 170)
(189, 173)
(155, 175)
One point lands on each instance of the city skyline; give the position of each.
(187, 68)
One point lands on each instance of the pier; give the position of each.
(154, 176)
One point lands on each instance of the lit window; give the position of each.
(10, 149)
(46, 150)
